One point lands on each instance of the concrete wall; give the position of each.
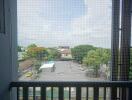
(8, 66)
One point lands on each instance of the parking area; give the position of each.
(65, 71)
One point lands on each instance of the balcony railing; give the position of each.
(69, 90)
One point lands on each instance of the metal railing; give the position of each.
(71, 90)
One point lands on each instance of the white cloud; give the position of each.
(95, 24)
(92, 28)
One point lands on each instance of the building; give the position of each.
(65, 51)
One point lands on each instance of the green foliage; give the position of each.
(130, 73)
(37, 65)
(105, 55)
(53, 54)
(31, 46)
(39, 53)
(97, 57)
(79, 52)
(19, 48)
(25, 56)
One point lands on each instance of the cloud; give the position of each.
(95, 24)
(36, 24)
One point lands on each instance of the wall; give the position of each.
(8, 66)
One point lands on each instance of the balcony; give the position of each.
(93, 90)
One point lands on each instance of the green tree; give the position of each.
(53, 54)
(31, 46)
(106, 55)
(19, 48)
(97, 57)
(38, 53)
(92, 60)
(26, 54)
(79, 52)
(37, 65)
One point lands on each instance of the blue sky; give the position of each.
(53, 23)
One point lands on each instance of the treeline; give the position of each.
(88, 55)
(40, 53)
(92, 57)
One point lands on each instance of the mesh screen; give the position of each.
(64, 39)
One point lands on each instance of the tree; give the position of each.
(37, 65)
(105, 55)
(79, 52)
(53, 54)
(37, 52)
(31, 46)
(19, 48)
(92, 60)
(26, 54)
(96, 57)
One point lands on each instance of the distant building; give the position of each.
(65, 51)
(64, 47)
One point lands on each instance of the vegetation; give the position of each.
(39, 53)
(19, 48)
(95, 58)
(33, 51)
(53, 54)
(88, 55)
(31, 46)
(37, 65)
(130, 73)
(79, 52)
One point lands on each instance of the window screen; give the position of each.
(64, 39)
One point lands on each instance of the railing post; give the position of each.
(61, 93)
(25, 93)
(130, 94)
(87, 93)
(34, 93)
(43, 93)
(69, 93)
(96, 93)
(52, 90)
(18, 92)
(113, 93)
(105, 93)
(78, 93)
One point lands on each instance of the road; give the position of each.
(65, 71)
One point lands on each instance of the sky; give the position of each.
(52, 23)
